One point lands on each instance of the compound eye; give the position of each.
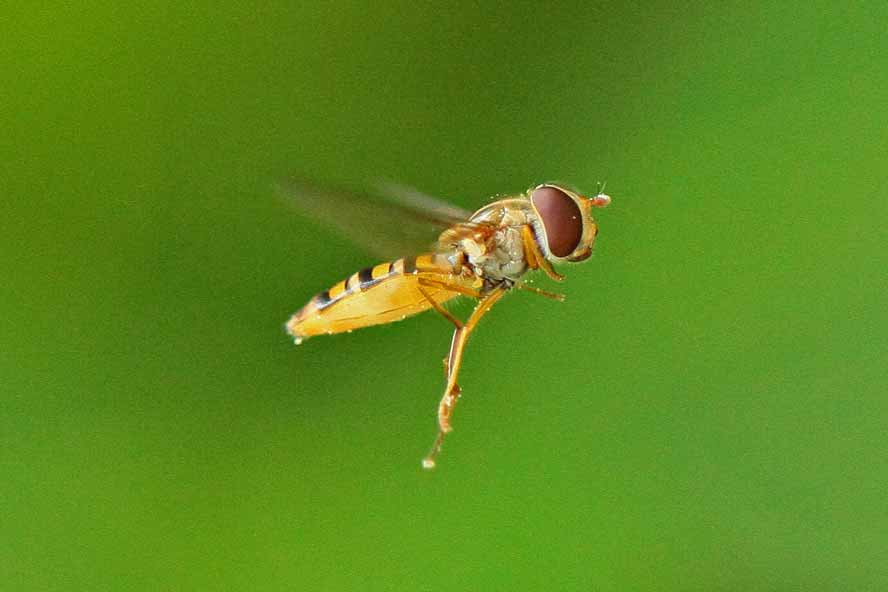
(561, 217)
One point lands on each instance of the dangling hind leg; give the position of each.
(453, 363)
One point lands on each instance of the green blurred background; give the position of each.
(706, 411)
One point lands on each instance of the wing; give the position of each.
(396, 222)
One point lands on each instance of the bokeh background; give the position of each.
(706, 411)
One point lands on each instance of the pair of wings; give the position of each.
(397, 222)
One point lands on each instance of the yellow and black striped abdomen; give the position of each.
(381, 294)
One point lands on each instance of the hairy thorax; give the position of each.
(500, 255)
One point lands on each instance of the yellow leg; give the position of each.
(546, 293)
(441, 310)
(535, 257)
(454, 361)
(452, 287)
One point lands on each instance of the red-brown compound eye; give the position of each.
(561, 218)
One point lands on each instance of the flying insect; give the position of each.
(481, 255)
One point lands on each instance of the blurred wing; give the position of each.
(399, 222)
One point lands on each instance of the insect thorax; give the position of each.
(501, 256)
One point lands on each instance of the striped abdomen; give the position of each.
(381, 294)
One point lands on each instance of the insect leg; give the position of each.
(535, 257)
(441, 310)
(534, 290)
(432, 282)
(454, 361)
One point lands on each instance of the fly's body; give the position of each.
(480, 255)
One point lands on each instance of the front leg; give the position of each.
(535, 257)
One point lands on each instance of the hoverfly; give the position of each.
(480, 255)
